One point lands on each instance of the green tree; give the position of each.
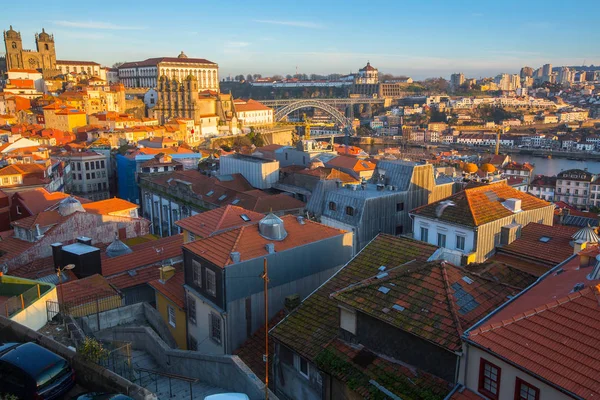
(92, 350)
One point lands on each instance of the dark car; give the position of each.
(102, 396)
(29, 371)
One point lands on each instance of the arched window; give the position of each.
(46, 46)
(14, 45)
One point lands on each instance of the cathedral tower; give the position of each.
(45, 46)
(14, 49)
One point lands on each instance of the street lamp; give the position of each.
(59, 270)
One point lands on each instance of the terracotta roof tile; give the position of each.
(43, 219)
(95, 286)
(465, 394)
(312, 325)
(173, 287)
(218, 220)
(250, 244)
(109, 206)
(135, 277)
(480, 205)
(144, 254)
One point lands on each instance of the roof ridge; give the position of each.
(239, 235)
(467, 197)
(223, 214)
(451, 304)
(537, 310)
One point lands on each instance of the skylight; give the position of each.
(398, 307)
(210, 193)
(222, 197)
(235, 201)
(384, 290)
(245, 217)
(545, 239)
(467, 279)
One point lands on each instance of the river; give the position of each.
(543, 166)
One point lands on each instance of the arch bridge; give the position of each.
(336, 114)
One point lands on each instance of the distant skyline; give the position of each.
(419, 39)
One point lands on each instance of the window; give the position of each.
(97, 164)
(191, 236)
(5, 180)
(211, 283)
(15, 179)
(489, 379)
(525, 391)
(301, 365)
(441, 240)
(78, 166)
(349, 210)
(399, 207)
(399, 230)
(197, 273)
(332, 206)
(424, 234)
(171, 312)
(215, 327)
(18, 210)
(348, 320)
(193, 343)
(87, 166)
(191, 304)
(93, 175)
(87, 175)
(460, 242)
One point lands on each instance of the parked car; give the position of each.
(102, 396)
(30, 371)
(227, 396)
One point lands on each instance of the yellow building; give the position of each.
(170, 302)
(63, 118)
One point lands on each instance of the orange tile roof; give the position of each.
(250, 105)
(23, 169)
(95, 286)
(39, 199)
(43, 219)
(557, 249)
(26, 71)
(558, 341)
(22, 83)
(135, 277)
(143, 255)
(218, 220)
(250, 244)
(172, 289)
(109, 206)
(351, 163)
(465, 394)
(480, 205)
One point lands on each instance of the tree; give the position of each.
(257, 76)
(386, 77)
(277, 77)
(92, 350)
(288, 76)
(118, 64)
(239, 78)
(249, 78)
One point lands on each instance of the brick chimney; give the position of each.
(166, 273)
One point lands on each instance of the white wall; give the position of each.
(36, 316)
(451, 231)
(201, 330)
(261, 175)
(507, 377)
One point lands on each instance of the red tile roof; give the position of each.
(135, 277)
(43, 219)
(480, 205)
(250, 105)
(465, 394)
(72, 62)
(218, 220)
(172, 289)
(39, 199)
(351, 163)
(250, 244)
(437, 291)
(95, 286)
(109, 206)
(23, 169)
(313, 324)
(551, 252)
(558, 341)
(149, 253)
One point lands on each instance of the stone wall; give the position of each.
(89, 375)
(228, 372)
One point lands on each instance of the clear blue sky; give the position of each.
(416, 38)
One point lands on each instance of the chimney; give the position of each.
(300, 219)
(380, 187)
(166, 273)
(235, 256)
(292, 301)
(513, 205)
(579, 245)
(270, 247)
(84, 240)
(57, 255)
(595, 274)
(509, 233)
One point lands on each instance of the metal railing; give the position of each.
(155, 374)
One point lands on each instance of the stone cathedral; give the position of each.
(16, 57)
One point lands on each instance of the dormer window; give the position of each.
(348, 320)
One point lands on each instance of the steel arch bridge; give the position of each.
(338, 117)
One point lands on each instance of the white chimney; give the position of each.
(235, 256)
(270, 247)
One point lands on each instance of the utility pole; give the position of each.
(265, 277)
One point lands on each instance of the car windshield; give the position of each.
(51, 373)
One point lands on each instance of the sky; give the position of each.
(416, 38)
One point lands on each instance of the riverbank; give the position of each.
(391, 142)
